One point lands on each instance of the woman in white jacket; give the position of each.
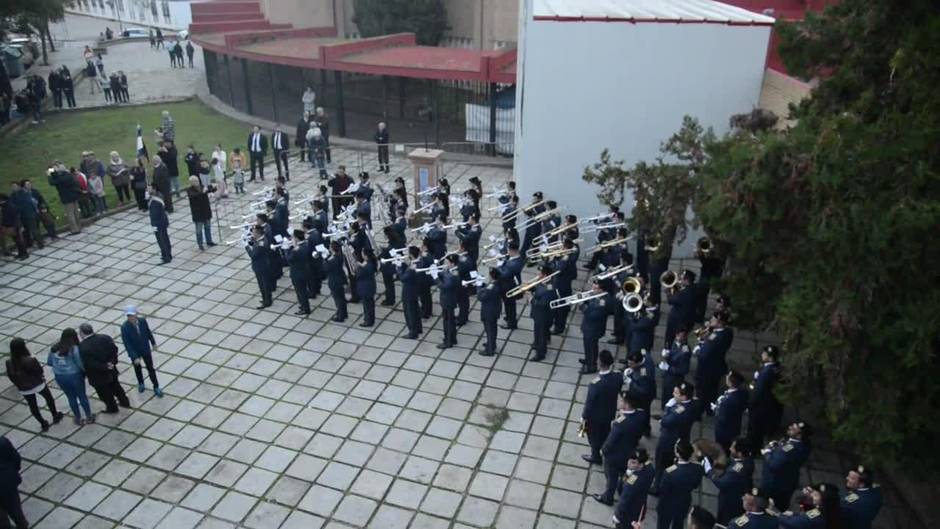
(309, 100)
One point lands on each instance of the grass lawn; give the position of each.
(64, 136)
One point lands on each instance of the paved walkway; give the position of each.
(273, 421)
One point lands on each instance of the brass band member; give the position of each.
(410, 287)
(365, 285)
(490, 304)
(336, 280)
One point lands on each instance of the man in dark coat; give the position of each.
(280, 143)
(190, 51)
(257, 150)
(161, 180)
(298, 258)
(10, 505)
(11, 226)
(259, 250)
(99, 358)
(139, 343)
(69, 194)
(300, 139)
(161, 224)
(600, 405)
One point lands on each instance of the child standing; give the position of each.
(238, 171)
(217, 179)
(96, 188)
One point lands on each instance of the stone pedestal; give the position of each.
(427, 172)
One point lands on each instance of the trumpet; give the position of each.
(632, 303)
(607, 244)
(702, 332)
(602, 227)
(525, 287)
(400, 252)
(597, 218)
(424, 228)
(533, 253)
(395, 258)
(351, 190)
(575, 299)
(669, 279)
(423, 208)
(242, 226)
(611, 272)
(458, 253)
(429, 191)
(496, 193)
(434, 269)
(493, 259)
(305, 198)
(337, 233)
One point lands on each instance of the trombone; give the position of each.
(602, 227)
(537, 218)
(525, 287)
(607, 244)
(575, 299)
(522, 210)
(597, 218)
(493, 259)
(611, 272)
(560, 252)
(555, 232)
(533, 253)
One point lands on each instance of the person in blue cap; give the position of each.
(139, 343)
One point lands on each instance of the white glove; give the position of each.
(707, 464)
(664, 366)
(628, 372)
(671, 403)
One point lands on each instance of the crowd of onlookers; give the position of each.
(113, 85)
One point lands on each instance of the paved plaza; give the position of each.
(275, 421)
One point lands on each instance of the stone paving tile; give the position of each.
(275, 421)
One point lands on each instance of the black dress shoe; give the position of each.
(411, 336)
(366, 324)
(558, 333)
(487, 353)
(536, 358)
(110, 412)
(262, 306)
(507, 327)
(580, 360)
(599, 498)
(302, 312)
(614, 341)
(387, 303)
(591, 460)
(442, 346)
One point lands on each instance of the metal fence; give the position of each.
(457, 116)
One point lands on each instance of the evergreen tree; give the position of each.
(427, 19)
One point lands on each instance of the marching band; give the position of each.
(342, 250)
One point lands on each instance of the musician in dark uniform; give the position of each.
(315, 274)
(737, 479)
(320, 216)
(634, 489)
(765, 410)
(675, 425)
(620, 313)
(682, 311)
(425, 280)
(676, 363)
(509, 214)
(388, 268)
(622, 441)
(440, 208)
(365, 286)
(401, 223)
(675, 490)
(755, 503)
(642, 328)
(711, 355)
(534, 228)
(363, 209)
(782, 463)
(863, 498)
(410, 286)
(567, 266)
(640, 383)
(729, 410)
(593, 325)
(642, 257)
(541, 312)
(299, 259)
(365, 186)
(490, 307)
(470, 235)
(712, 267)
(335, 273)
(510, 273)
(260, 252)
(465, 265)
(449, 283)
(600, 407)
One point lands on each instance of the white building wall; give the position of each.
(165, 14)
(584, 86)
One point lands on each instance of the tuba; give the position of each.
(704, 245)
(632, 303)
(669, 279)
(632, 286)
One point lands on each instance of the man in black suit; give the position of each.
(99, 357)
(280, 142)
(601, 405)
(257, 149)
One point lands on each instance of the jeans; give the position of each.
(74, 388)
(100, 205)
(175, 185)
(204, 227)
(123, 192)
(147, 360)
(34, 406)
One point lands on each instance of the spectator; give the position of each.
(10, 506)
(55, 85)
(217, 178)
(191, 160)
(35, 100)
(66, 363)
(92, 74)
(171, 160)
(309, 99)
(69, 194)
(204, 172)
(139, 342)
(161, 224)
(87, 54)
(238, 170)
(153, 38)
(322, 121)
(161, 180)
(44, 216)
(96, 188)
(139, 184)
(99, 358)
(99, 64)
(84, 201)
(107, 83)
(27, 375)
(125, 96)
(201, 211)
(120, 178)
(190, 51)
(12, 226)
(160, 43)
(167, 126)
(4, 108)
(178, 51)
(108, 34)
(68, 86)
(29, 214)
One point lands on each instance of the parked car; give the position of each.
(29, 48)
(183, 34)
(135, 32)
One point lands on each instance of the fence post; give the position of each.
(491, 148)
(248, 109)
(340, 107)
(228, 73)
